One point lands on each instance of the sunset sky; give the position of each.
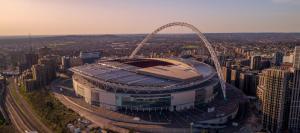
(58, 17)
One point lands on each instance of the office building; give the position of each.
(227, 74)
(264, 64)
(235, 76)
(278, 58)
(255, 62)
(243, 62)
(297, 57)
(248, 83)
(65, 62)
(294, 117)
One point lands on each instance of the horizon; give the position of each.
(162, 33)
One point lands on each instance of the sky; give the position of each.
(61, 17)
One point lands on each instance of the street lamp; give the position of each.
(191, 124)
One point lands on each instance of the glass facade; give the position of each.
(146, 102)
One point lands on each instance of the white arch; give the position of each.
(200, 35)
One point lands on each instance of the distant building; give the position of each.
(31, 59)
(243, 62)
(278, 58)
(229, 63)
(44, 51)
(65, 62)
(22, 67)
(264, 64)
(76, 61)
(40, 74)
(2, 82)
(274, 95)
(255, 62)
(222, 59)
(288, 58)
(89, 57)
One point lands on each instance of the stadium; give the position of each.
(146, 84)
(159, 90)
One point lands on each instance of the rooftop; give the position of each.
(171, 72)
(146, 71)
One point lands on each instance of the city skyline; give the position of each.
(155, 66)
(133, 16)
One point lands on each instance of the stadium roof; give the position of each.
(134, 72)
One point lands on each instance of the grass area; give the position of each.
(50, 110)
(4, 127)
(2, 120)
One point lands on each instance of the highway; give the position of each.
(20, 113)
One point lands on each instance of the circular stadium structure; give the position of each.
(159, 90)
(149, 85)
(146, 84)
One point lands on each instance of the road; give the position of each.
(20, 113)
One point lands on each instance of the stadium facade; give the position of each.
(156, 84)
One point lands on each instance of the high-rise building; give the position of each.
(294, 117)
(39, 74)
(227, 74)
(50, 65)
(278, 58)
(235, 77)
(247, 83)
(274, 89)
(255, 62)
(297, 57)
